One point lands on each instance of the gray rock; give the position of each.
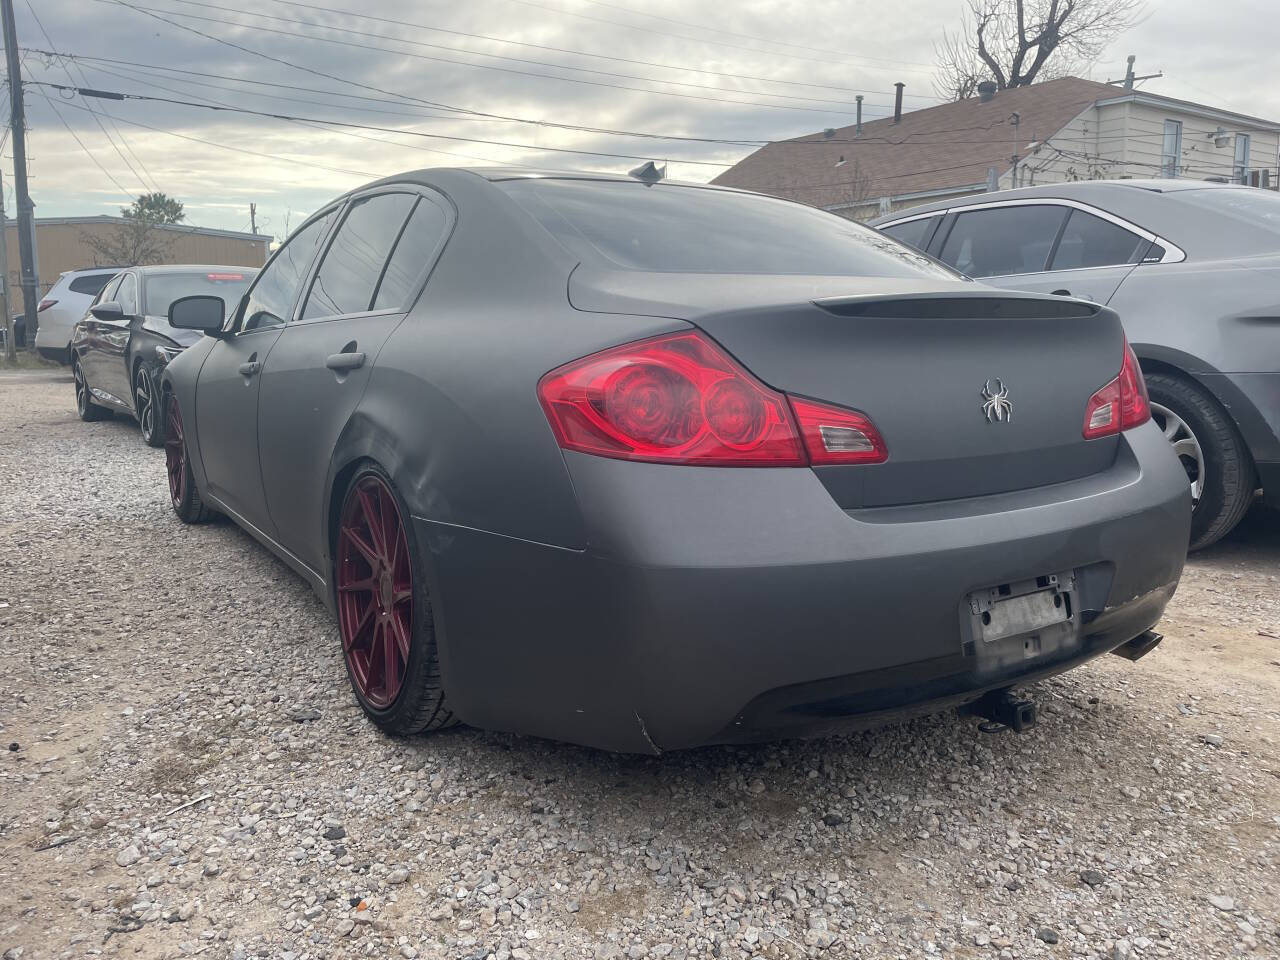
(1223, 903)
(1047, 934)
(128, 856)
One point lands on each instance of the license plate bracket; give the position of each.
(1024, 607)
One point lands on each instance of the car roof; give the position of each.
(1096, 190)
(168, 268)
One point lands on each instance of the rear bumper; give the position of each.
(732, 604)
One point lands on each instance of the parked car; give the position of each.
(124, 339)
(651, 465)
(1192, 268)
(64, 304)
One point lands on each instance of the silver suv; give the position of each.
(64, 304)
(1193, 269)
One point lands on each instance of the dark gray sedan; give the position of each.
(646, 466)
(1192, 268)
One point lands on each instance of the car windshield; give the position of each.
(1249, 205)
(668, 228)
(164, 288)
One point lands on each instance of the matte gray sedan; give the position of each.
(1192, 268)
(649, 465)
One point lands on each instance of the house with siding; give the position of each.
(1050, 132)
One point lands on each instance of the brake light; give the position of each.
(1121, 404)
(680, 399)
(45, 304)
(672, 399)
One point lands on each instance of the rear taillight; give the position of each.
(1121, 404)
(680, 399)
(45, 304)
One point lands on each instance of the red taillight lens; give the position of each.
(45, 304)
(1121, 404)
(673, 399)
(835, 435)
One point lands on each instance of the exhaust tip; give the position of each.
(1139, 646)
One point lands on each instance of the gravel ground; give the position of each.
(187, 773)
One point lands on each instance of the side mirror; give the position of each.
(198, 313)
(107, 310)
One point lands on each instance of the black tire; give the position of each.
(420, 705)
(147, 407)
(85, 407)
(184, 495)
(1229, 477)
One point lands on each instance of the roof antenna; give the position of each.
(649, 172)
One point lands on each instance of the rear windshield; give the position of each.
(91, 284)
(164, 288)
(667, 228)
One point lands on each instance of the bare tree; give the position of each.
(1017, 42)
(135, 242)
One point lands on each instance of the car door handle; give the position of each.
(345, 361)
(249, 368)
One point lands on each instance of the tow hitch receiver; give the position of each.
(1139, 646)
(1003, 711)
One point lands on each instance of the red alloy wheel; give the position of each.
(375, 591)
(175, 452)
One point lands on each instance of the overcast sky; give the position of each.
(697, 68)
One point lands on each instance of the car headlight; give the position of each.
(165, 354)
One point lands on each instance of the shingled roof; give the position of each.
(950, 145)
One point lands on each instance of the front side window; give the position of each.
(1171, 152)
(353, 263)
(1001, 241)
(669, 228)
(1240, 173)
(914, 233)
(1090, 241)
(272, 298)
(127, 296)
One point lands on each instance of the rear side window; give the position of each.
(1090, 241)
(354, 261)
(108, 292)
(413, 255)
(91, 285)
(1003, 240)
(668, 228)
(127, 296)
(273, 295)
(914, 233)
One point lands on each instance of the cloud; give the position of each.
(677, 85)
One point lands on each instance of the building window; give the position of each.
(1240, 172)
(1171, 155)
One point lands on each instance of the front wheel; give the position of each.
(1212, 452)
(145, 408)
(85, 407)
(384, 613)
(182, 484)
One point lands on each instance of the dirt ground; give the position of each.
(183, 772)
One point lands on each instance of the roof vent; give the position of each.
(828, 133)
(987, 91)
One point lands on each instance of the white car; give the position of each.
(64, 304)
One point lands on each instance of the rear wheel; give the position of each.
(88, 410)
(182, 485)
(1212, 452)
(384, 613)
(150, 415)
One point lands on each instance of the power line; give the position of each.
(681, 36)
(577, 53)
(113, 94)
(107, 173)
(152, 11)
(97, 119)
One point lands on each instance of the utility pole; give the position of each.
(10, 348)
(1016, 120)
(253, 217)
(26, 225)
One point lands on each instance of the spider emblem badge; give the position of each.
(996, 403)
